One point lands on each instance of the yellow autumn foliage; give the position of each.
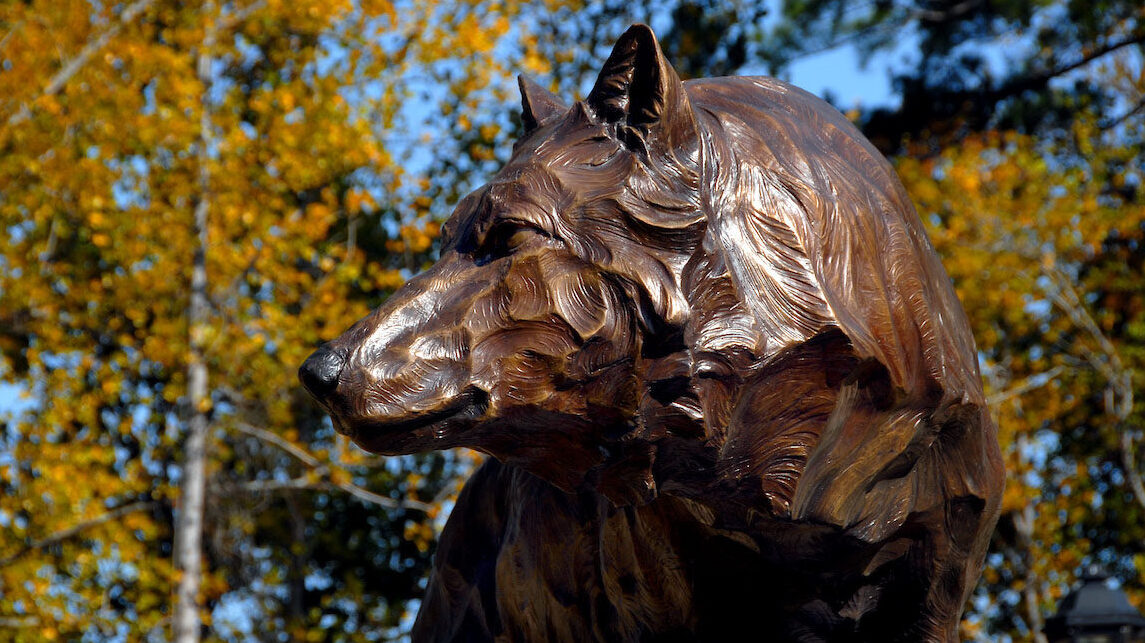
(304, 131)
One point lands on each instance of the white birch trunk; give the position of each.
(189, 523)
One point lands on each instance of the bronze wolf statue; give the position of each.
(727, 386)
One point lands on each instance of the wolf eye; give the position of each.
(504, 238)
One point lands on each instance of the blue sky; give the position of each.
(837, 72)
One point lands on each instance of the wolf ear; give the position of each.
(537, 103)
(640, 91)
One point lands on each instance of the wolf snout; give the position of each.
(321, 371)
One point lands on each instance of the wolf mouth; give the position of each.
(468, 406)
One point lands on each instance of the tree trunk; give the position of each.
(189, 524)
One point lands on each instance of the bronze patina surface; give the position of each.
(725, 381)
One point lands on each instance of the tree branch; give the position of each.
(1063, 294)
(19, 621)
(11, 32)
(93, 47)
(1025, 386)
(309, 484)
(318, 467)
(1119, 379)
(292, 484)
(280, 442)
(239, 16)
(1130, 465)
(74, 530)
(957, 11)
(1110, 124)
(369, 496)
(1038, 81)
(57, 82)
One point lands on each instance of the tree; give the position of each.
(951, 87)
(196, 196)
(1045, 251)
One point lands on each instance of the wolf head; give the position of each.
(557, 305)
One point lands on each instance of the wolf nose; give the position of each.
(320, 371)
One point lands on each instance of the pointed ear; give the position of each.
(537, 103)
(640, 91)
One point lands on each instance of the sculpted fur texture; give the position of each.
(725, 381)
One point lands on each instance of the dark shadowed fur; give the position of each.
(728, 389)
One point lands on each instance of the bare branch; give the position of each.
(74, 530)
(1066, 298)
(1114, 122)
(1119, 379)
(370, 496)
(950, 13)
(310, 484)
(280, 442)
(57, 82)
(241, 15)
(318, 467)
(1040, 80)
(1025, 386)
(279, 485)
(11, 32)
(1131, 471)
